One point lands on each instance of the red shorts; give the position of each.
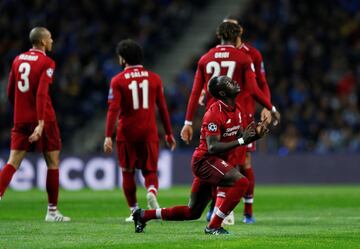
(238, 155)
(140, 155)
(50, 139)
(248, 119)
(210, 169)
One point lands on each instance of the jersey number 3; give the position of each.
(24, 70)
(144, 85)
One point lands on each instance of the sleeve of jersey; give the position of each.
(195, 93)
(114, 99)
(43, 89)
(261, 76)
(211, 124)
(11, 87)
(252, 87)
(163, 111)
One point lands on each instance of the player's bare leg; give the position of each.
(248, 199)
(129, 188)
(52, 187)
(7, 172)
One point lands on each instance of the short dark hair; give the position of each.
(36, 35)
(215, 86)
(229, 31)
(130, 51)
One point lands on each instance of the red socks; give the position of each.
(232, 198)
(129, 188)
(151, 181)
(174, 213)
(249, 195)
(6, 175)
(52, 187)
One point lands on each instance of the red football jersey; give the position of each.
(219, 119)
(257, 59)
(133, 96)
(28, 87)
(230, 61)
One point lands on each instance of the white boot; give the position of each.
(56, 216)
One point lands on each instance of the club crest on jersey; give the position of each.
(49, 72)
(110, 96)
(212, 127)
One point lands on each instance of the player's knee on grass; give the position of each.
(194, 214)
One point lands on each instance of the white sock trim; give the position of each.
(132, 209)
(152, 188)
(220, 214)
(52, 208)
(221, 194)
(158, 213)
(248, 200)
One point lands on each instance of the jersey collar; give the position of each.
(37, 50)
(133, 66)
(226, 106)
(225, 46)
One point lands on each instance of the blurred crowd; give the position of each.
(311, 51)
(85, 34)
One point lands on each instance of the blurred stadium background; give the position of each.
(311, 51)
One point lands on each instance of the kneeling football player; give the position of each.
(221, 132)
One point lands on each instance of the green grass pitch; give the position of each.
(288, 216)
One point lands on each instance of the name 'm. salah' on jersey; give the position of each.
(28, 87)
(133, 97)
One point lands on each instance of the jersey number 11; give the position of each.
(144, 85)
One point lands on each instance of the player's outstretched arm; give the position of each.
(198, 86)
(202, 98)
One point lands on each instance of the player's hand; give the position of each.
(170, 142)
(186, 133)
(35, 136)
(262, 128)
(266, 114)
(276, 115)
(249, 133)
(202, 98)
(108, 145)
